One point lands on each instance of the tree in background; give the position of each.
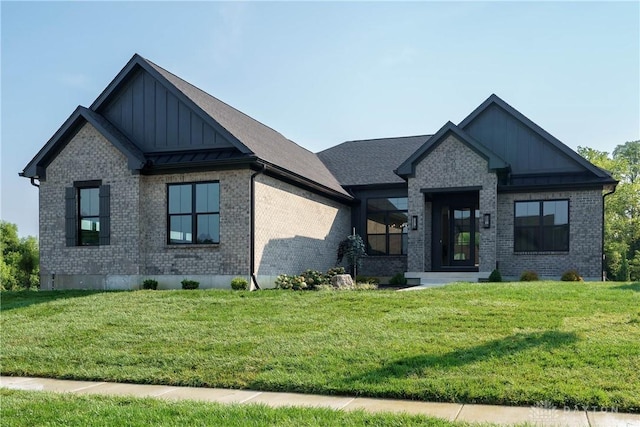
(20, 262)
(622, 209)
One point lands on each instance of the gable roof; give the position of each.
(370, 161)
(36, 168)
(249, 137)
(407, 168)
(505, 130)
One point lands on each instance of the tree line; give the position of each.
(20, 261)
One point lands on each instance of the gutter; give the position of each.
(252, 238)
(603, 209)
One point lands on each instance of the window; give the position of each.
(541, 226)
(87, 210)
(387, 224)
(194, 213)
(88, 216)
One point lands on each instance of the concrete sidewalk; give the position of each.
(506, 415)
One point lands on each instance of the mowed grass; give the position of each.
(566, 344)
(19, 408)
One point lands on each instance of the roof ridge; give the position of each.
(388, 137)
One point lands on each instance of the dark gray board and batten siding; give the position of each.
(157, 120)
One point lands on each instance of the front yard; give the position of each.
(513, 343)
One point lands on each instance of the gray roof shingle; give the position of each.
(370, 161)
(266, 143)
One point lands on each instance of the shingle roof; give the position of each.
(370, 161)
(266, 143)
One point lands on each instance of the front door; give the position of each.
(456, 236)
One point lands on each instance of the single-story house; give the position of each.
(158, 179)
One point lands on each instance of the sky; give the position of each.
(323, 73)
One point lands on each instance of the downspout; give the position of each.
(252, 238)
(603, 255)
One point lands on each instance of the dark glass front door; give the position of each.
(456, 233)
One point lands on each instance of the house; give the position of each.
(158, 179)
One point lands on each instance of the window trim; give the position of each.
(541, 227)
(73, 217)
(387, 234)
(193, 214)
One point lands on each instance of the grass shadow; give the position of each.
(635, 286)
(10, 300)
(503, 347)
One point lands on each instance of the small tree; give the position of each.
(352, 249)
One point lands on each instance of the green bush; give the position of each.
(495, 276)
(529, 276)
(239, 284)
(190, 284)
(571, 276)
(368, 279)
(398, 280)
(335, 271)
(314, 278)
(150, 284)
(364, 286)
(295, 283)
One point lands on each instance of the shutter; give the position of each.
(105, 215)
(70, 219)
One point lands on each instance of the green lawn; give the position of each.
(513, 343)
(18, 409)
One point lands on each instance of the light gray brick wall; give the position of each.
(295, 229)
(89, 156)
(451, 164)
(229, 257)
(585, 237)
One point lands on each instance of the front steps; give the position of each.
(436, 278)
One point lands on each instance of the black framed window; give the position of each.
(541, 226)
(193, 213)
(89, 216)
(387, 226)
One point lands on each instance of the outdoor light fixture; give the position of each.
(486, 220)
(414, 222)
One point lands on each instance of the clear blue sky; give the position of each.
(324, 73)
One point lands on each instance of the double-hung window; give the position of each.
(194, 213)
(387, 226)
(541, 226)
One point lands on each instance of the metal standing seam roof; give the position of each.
(266, 143)
(370, 161)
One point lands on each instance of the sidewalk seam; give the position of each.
(251, 397)
(459, 410)
(86, 387)
(348, 403)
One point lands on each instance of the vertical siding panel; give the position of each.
(172, 120)
(149, 111)
(138, 108)
(161, 116)
(196, 130)
(184, 126)
(209, 137)
(127, 106)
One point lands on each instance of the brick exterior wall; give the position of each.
(585, 237)
(89, 156)
(295, 229)
(451, 164)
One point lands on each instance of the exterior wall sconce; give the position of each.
(486, 220)
(414, 222)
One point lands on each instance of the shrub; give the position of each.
(398, 280)
(529, 276)
(314, 278)
(150, 284)
(365, 279)
(571, 276)
(495, 276)
(364, 286)
(335, 271)
(239, 284)
(296, 283)
(190, 284)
